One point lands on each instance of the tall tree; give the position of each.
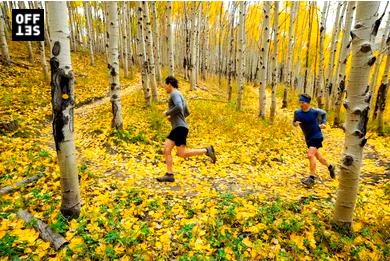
(381, 96)
(274, 61)
(193, 46)
(142, 54)
(290, 57)
(321, 84)
(241, 59)
(124, 25)
(333, 49)
(308, 47)
(357, 106)
(344, 52)
(62, 82)
(3, 41)
(89, 32)
(170, 36)
(113, 64)
(231, 54)
(264, 58)
(29, 45)
(149, 51)
(156, 42)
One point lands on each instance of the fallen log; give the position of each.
(45, 231)
(19, 184)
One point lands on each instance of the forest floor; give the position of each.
(249, 205)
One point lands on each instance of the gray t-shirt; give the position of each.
(177, 110)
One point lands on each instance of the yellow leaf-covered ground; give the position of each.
(249, 205)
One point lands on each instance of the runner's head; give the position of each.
(170, 83)
(304, 100)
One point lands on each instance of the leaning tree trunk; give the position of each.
(113, 64)
(150, 54)
(156, 42)
(344, 52)
(3, 41)
(320, 92)
(381, 97)
(142, 54)
(274, 61)
(89, 33)
(170, 39)
(290, 47)
(63, 101)
(264, 58)
(241, 59)
(231, 55)
(357, 106)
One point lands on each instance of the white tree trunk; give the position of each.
(156, 42)
(343, 56)
(125, 24)
(290, 57)
(43, 61)
(231, 54)
(205, 61)
(170, 39)
(113, 64)
(321, 83)
(241, 57)
(357, 106)
(381, 96)
(333, 48)
(3, 41)
(264, 57)
(142, 54)
(378, 62)
(62, 82)
(274, 61)
(149, 51)
(193, 47)
(89, 33)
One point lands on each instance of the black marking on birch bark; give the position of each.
(363, 142)
(109, 66)
(347, 160)
(358, 25)
(60, 85)
(56, 48)
(371, 61)
(322, 28)
(379, 104)
(365, 48)
(113, 72)
(115, 96)
(108, 36)
(362, 126)
(113, 85)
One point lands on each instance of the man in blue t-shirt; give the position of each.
(312, 120)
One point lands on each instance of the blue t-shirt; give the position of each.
(310, 121)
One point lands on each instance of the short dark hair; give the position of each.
(172, 81)
(305, 97)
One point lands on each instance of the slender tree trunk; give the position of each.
(378, 62)
(156, 42)
(150, 54)
(124, 25)
(89, 33)
(241, 59)
(43, 61)
(205, 49)
(333, 49)
(308, 47)
(220, 44)
(381, 97)
(71, 23)
(357, 106)
(274, 61)
(193, 46)
(142, 55)
(113, 64)
(231, 55)
(62, 82)
(264, 58)
(321, 84)
(170, 39)
(3, 41)
(344, 52)
(290, 56)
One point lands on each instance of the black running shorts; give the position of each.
(179, 136)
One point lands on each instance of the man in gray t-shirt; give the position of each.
(177, 113)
